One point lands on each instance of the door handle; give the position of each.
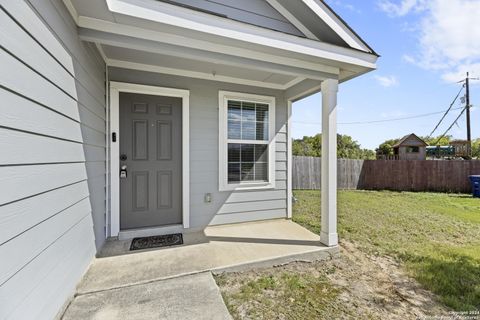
(123, 172)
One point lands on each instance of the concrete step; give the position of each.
(188, 297)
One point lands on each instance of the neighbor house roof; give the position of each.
(407, 141)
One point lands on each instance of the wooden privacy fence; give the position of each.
(307, 175)
(398, 175)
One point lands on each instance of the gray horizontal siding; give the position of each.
(17, 180)
(20, 216)
(226, 207)
(251, 206)
(248, 216)
(27, 148)
(25, 117)
(281, 156)
(255, 12)
(52, 166)
(281, 165)
(37, 88)
(281, 137)
(39, 238)
(41, 287)
(22, 45)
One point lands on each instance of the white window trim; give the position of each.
(223, 97)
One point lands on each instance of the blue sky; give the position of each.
(425, 47)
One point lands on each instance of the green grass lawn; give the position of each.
(435, 236)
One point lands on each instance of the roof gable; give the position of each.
(312, 19)
(410, 140)
(255, 12)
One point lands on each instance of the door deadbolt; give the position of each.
(123, 157)
(123, 172)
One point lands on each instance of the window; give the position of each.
(247, 145)
(413, 149)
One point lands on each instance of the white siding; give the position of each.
(52, 160)
(226, 207)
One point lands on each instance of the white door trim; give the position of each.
(115, 89)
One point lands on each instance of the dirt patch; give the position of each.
(378, 284)
(353, 286)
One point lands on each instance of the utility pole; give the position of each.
(467, 100)
(467, 107)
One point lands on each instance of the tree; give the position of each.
(476, 148)
(386, 148)
(435, 141)
(347, 148)
(308, 146)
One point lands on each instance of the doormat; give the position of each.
(156, 241)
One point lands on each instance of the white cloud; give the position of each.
(408, 58)
(345, 5)
(403, 8)
(459, 72)
(351, 7)
(387, 81)
(448, 35)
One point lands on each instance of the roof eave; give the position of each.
(204, 22)
(372, 51)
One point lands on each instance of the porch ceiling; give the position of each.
(148, 55)
(193, 65)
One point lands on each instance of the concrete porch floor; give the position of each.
(217, 249)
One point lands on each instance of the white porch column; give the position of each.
(328, 234)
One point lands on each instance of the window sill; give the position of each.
(246, 187)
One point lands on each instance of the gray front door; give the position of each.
(151, 150)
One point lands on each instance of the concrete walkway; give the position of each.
(162, 280)
(195, 297)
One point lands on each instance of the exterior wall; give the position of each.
(404, 155)
(226, 207)
(255, 12)
(52, 160)
(423, 153)
(412, 141)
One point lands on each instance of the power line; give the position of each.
(447, 111)
(451, 126)
(381, 121)
(465, 80)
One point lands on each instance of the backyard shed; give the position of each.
(121, 118)
(410, 147)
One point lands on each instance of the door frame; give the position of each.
(114, 156)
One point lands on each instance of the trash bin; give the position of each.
(475, 180)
